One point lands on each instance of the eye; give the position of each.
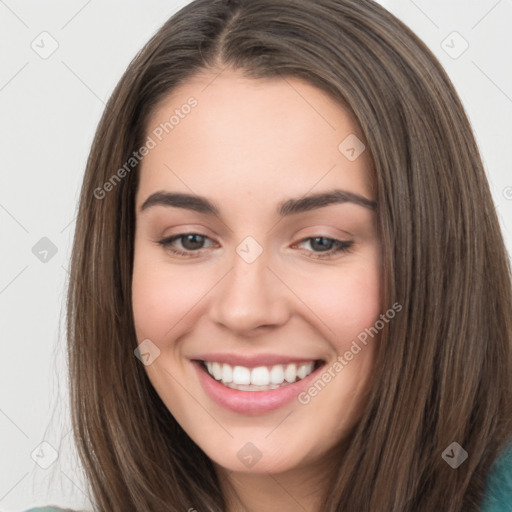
(325, 247)
(193, 245)
(191, 242)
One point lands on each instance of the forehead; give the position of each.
(252, 135)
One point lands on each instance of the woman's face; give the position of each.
(272, 281)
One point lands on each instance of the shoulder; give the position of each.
(498, 491)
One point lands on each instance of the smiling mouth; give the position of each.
(260, 378)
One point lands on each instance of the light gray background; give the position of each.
(50, 108)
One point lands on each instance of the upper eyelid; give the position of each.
(172, 238)
(177, 236)
(186, 233)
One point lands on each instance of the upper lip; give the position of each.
(254, 360)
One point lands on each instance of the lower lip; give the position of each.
(251, 402)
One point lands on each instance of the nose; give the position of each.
(250, 297)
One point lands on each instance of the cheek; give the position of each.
(346, 301)
(162, 297)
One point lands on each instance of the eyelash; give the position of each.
(339, 246)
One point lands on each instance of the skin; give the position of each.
(248, 145)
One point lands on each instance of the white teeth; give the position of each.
(252, 387)
(241, 375)
(277, 374)
(305, 369)
(290, 374)
(227, 373)
(217, 371)
(260, 378)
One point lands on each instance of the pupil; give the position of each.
(322, 247)
(196, 241)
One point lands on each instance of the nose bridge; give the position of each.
(250, 296)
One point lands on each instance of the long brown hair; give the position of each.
(444, 365)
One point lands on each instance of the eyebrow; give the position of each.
(285, 208)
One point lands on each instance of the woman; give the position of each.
(289, 289)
